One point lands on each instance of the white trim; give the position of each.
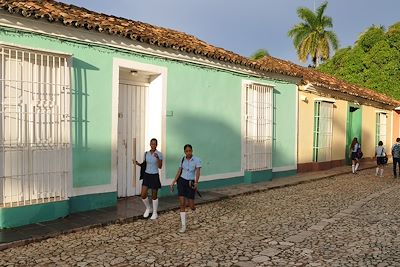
(96, 189)
(325, 99)
(285, 168)
(296, 148)
(129, 82)
(102, 39)
(47, 51)
(220, 176)
(242, 124)
(381, 111)
(391, 129)
(244, 82)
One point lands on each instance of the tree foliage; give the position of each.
(259, 54)
(373, 61)
(311, 37)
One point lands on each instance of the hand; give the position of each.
(171, 187)
(137, 163)
(194, 185)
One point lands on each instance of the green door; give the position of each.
(354, 122)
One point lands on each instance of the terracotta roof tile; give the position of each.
(323, 80)
(78, 17)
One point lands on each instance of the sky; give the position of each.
(243, 26)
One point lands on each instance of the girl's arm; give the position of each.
(159, 162)
(197, 175)
(196, 182)
(178, 174)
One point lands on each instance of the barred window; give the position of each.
(34, 126)
(258, 132)
(322, 145)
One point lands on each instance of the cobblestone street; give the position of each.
(349, 220)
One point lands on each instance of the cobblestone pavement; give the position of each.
(349, 220)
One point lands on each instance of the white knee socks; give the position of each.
(356, 168)
(353, 169)
(147, 205)
(155, 208)
(377, 171)
(183, 222)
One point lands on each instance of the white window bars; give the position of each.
(258, 132)
(34, 127)
(323, 123)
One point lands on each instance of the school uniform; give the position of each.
(380, 155)
(354, 154)
(188, 176)
(151, 177)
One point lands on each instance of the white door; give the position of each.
(131, 132)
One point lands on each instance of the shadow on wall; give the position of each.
(274, 125)
(216, 139)
(80, 97)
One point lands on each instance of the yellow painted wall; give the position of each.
(389, 132)
(339, 130)
(368, 131)
(306, 127)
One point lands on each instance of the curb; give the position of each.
(19, 243)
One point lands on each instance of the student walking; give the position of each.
(396, 156)
(380, 155)
(187, 177)
(151, 179)
(354, 149)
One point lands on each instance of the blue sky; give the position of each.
(245, 26)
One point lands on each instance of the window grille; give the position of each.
(258, 133)
(34, 127)
(322, 146)
(381, 128)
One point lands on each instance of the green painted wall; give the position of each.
(206, 104)
(92, 201)
(284, 132)
(23, 215)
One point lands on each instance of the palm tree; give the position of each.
(259, 54)
(311, 37)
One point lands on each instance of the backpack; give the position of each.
(143, 166)
(359, 153)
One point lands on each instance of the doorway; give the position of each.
(138, 114)
(354, 124)
(131, 125)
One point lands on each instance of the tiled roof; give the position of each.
(73, 16)
(323, 80)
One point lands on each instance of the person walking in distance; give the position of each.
(380, 155)
(354, 148)
(396, 156)
(151, 179)
(187, 177)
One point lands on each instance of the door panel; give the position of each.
(131, 126)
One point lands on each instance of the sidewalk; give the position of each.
(130, 209)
